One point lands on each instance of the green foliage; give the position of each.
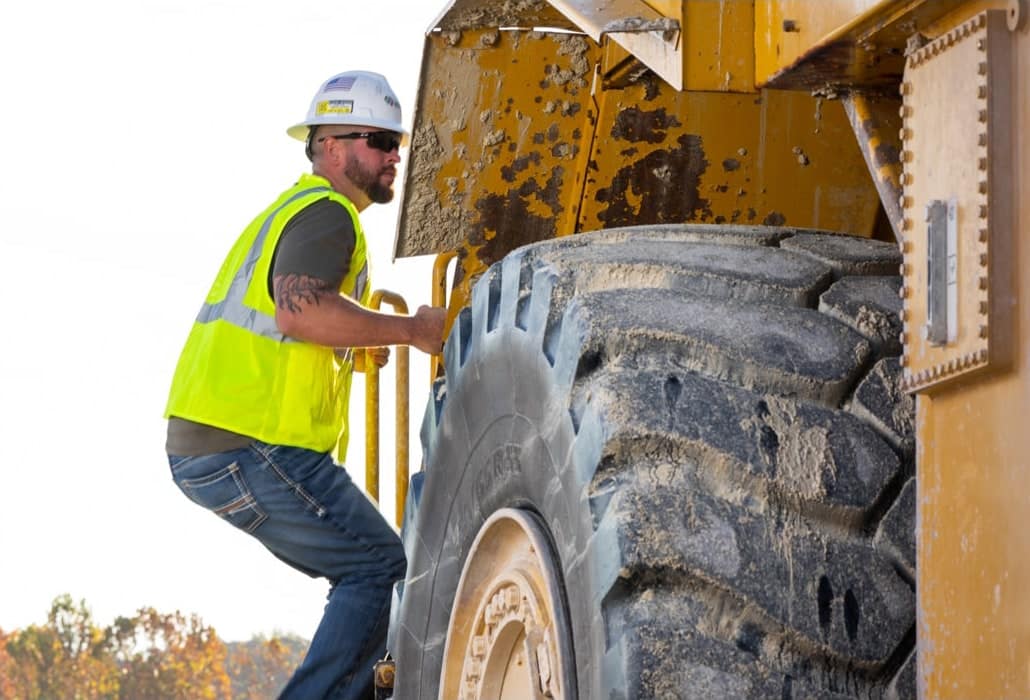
(148, 656)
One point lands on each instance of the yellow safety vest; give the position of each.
(238, 372)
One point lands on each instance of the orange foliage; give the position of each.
(150, 655)
(63, 659)
(6, 668)
(169, 656)
(260, 668)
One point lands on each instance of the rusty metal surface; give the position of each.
(512, 145)
(876, 121)
(776, 158)
(712, 50)
(832, 47)
(518, 139)
(460, 15)
(595, 19)
(502, 120)
(651, 37)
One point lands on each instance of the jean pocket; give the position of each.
(226, 494)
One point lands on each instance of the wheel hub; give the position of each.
(507, 637)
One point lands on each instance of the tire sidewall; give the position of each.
(504, 444)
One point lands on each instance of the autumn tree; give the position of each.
(7, 688)
(169, 656)
(66, 658)
(260, 668)
(150, 656)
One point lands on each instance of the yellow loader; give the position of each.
(728, 275)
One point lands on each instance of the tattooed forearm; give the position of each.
(293, 291)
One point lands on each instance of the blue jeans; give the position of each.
(308, 512)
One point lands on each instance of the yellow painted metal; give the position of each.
(518, 139)
(973, 448)
(654, 39)
(402, 424)
(838, 45)
(706, 53)
(470, 267)
(546, 150)
(876, 121)
(496, 156)
(785, 30)
(371, 430)
(440, 263)
(941, 23)
(774, 157)
(439, 298)
(717, 55)
(956, 151)
(669, 8)
(974, 558)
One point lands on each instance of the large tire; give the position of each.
(707, 421)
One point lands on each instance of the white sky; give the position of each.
(137, 139)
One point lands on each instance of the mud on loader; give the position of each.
(726, 272)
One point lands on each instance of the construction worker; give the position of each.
(259, 397)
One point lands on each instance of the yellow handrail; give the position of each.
(439, 298)
(372, 413)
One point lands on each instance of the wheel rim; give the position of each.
(508, 636)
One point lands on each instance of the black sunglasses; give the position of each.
(385, 141)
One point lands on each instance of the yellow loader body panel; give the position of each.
(536, 120)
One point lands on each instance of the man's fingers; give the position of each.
(378, 355)
(433, 319)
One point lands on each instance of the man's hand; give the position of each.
(307, 309)
(379, 356)
(427, 334)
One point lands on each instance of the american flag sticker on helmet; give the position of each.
(340, 82)
(335, 107)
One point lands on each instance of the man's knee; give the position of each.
(397, 563)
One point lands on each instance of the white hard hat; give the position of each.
(358, 97)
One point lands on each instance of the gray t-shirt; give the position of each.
(318, 241)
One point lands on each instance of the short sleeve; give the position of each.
(318, 241)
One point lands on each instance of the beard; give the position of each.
(369, 182)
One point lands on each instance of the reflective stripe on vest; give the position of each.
(239, 372)
(231, 308)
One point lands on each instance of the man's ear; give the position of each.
(309, 145)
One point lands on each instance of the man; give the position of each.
(259, 397)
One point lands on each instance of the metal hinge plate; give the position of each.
(955, 207)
